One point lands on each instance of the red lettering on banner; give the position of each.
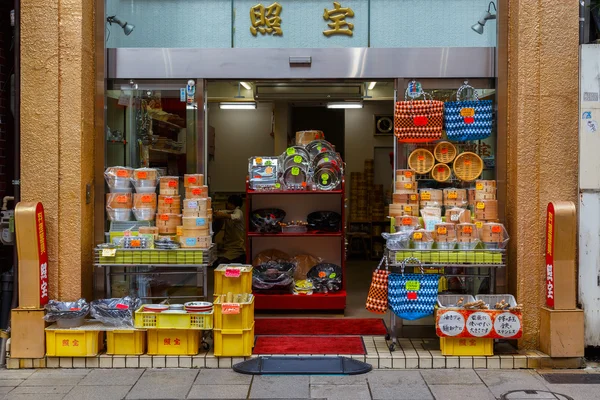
(550, 256)
(42, 254)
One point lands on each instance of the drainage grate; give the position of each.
(525, 394)
(574, 378)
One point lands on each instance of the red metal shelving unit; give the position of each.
(327, 241)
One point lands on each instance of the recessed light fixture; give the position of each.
(238, 105)
(345, 104)
(372, 85)
(246, 85)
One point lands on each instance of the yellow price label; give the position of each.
(408, 186)
(408, 208)
(442, 230)
(479, 186)
(467, 112)
(425, 196)
(418, 235)
(452, 196)
(479, 224)
(109, 252)
(480, 205)
(413, 197)
(413, 286)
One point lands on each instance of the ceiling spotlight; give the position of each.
(372, 85)
(238, 105)
(127, 28)
(478, 27)
(246, 85)
(345, 104)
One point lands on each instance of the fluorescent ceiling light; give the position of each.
(246, 85)
(238, 105)
(372, 85)
(345, 104)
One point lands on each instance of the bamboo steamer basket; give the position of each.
(197, 242)
(412, 198)
(471, 196)
(169, 185)
(169, 204)
(431, 197)
(444, 232)
(197, 205)
(468, 166)
(421, 235)
(195, 214)
(479, 196)
(148, 230)
(467, 233)
(407, 222)
(421, 161)
(167, 223)
(457, 215)
(486, 210)
(144, 200)
(485, 186)
(406, 187)
(492, 232)
(193, 180)
(405, 175)
(455, 197)
(119, 200)
(441, 172)
(196, 192)
(399, 210)
(195, 223)
(444, 152)
(145, 174)
(192, 232)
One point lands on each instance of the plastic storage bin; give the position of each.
(125, 342)
(73, 342)
(233, 342)
(450, 300)
(173, 342)
(151, 320)
(243, 320)
(492, 299)
(225, 281)
(466, 346)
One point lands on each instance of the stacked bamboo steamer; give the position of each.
(406, 196)
(486, 203)
(378, 205)
(369, 179)
(168, 217)
(358, 197)
(195, 229)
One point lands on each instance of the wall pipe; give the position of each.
(17, 141)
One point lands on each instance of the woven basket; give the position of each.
(421, 161)
(441, 172)
(444, 152)
(468, 166)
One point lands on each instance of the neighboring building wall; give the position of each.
(542, 137)
(57, 132)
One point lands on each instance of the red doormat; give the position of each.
(320, 326)
(309, 345)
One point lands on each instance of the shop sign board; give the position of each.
(550, 256)
(496, 324)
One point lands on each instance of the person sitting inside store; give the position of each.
(233, 248)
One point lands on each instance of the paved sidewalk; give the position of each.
(113, 384)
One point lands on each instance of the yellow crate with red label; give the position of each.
(234, 278)
(173, 342)
(73, 342)
(233, 342)
(183, 320)
(451, 346)
(234, 315)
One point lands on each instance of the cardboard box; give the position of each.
(561, 236)
(27, 337)
(562, 332)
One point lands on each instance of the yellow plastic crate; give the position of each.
(233, 342)
(173, 342)
(126, 342)
(466, 346)
(73, 342)
(243, 320)
(151, 320)
(241, 284)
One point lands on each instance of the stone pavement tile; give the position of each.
(56, 377)
(461, 392)
(578, 392)
(163, 384)
(11, 396)
(340, 392)
(42, 390)
(4, 390)
(451, 377)
(502, 381)
(16, 373)
(280, 387)
(105, 392)
(219, 392)
(112, 377)
(398, 385)
(221, 377)
(11, 382)
(339, 379)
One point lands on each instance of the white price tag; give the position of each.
(109, 252)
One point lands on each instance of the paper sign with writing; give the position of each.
(413, 285)
(233, 272)
(109, 252)
(479, 324)
(451, 323)
(230, 308)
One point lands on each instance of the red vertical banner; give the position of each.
(42, 253)
(550, 224)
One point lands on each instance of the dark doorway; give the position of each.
(330, 121)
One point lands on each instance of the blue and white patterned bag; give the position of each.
(412, 296)
(468, 119)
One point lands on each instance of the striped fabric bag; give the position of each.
(412, 296)
(417, 121)
(377, 299)
(468, 119)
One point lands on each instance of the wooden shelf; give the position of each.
(167, 151)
